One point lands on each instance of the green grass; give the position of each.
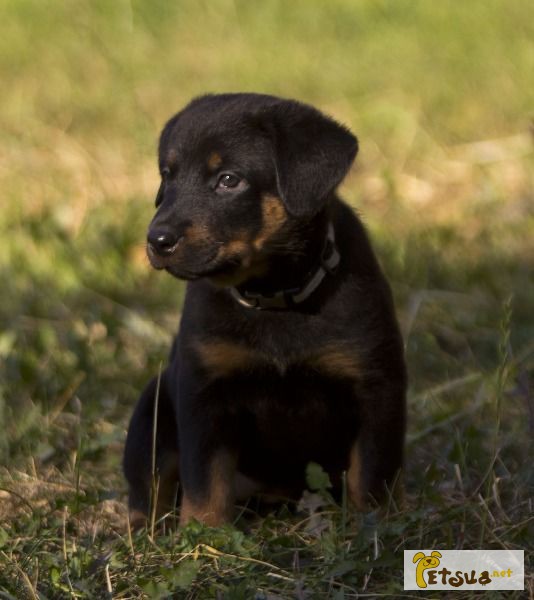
(441, 97)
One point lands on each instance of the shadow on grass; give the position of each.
(85, 323)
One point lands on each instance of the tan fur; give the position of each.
(273, 217)
(222, 358)
(237, 247)
(241, 249)
(240, 275)
(355, 484)
(197, 234)
(336, 361)
(172, 156)
(214, 161)
(217, 508)
(247, 250)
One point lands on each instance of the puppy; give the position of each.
(288, 350)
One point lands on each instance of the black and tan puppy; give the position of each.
(288, 350)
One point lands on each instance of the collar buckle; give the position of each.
(330, 256)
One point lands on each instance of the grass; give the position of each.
(441, 96)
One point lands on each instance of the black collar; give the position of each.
(287, 298)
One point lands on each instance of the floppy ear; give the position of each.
(418, 556)
(435, 553)
(312, 154)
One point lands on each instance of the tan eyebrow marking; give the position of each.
(172, 157)
(214, 161)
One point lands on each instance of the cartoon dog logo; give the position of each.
(425, 562)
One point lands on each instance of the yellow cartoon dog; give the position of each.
(425, 562)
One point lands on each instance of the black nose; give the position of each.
(162, 241)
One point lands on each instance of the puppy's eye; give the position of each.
(228, 181)
(165, 172)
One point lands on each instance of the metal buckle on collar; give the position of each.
(246, 302)
(260, 301)
(330, 256)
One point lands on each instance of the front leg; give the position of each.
(138, 461)
(208, 485)
(208, 459)
(379, 395)
(376, 457)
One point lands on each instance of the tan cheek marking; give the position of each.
(221, 358)
(217, 508)
(336, 362)
(197, 234)
(355, 484)
(273, 217)
(214, 161)
(256, 269)
(237, 247)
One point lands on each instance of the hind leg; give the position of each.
(138, 461)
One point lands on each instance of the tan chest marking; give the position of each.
(222, 358)
(336, 361)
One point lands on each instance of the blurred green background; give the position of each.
(441, 96)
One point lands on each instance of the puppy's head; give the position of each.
(241, 174)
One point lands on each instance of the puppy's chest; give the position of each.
(225, 358)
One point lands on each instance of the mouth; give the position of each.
(220, 267)
(188, 265)
(209, 269)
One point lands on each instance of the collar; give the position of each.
(288, 298)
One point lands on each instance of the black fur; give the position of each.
(261, 393)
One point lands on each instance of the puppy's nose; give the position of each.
(163, 241)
